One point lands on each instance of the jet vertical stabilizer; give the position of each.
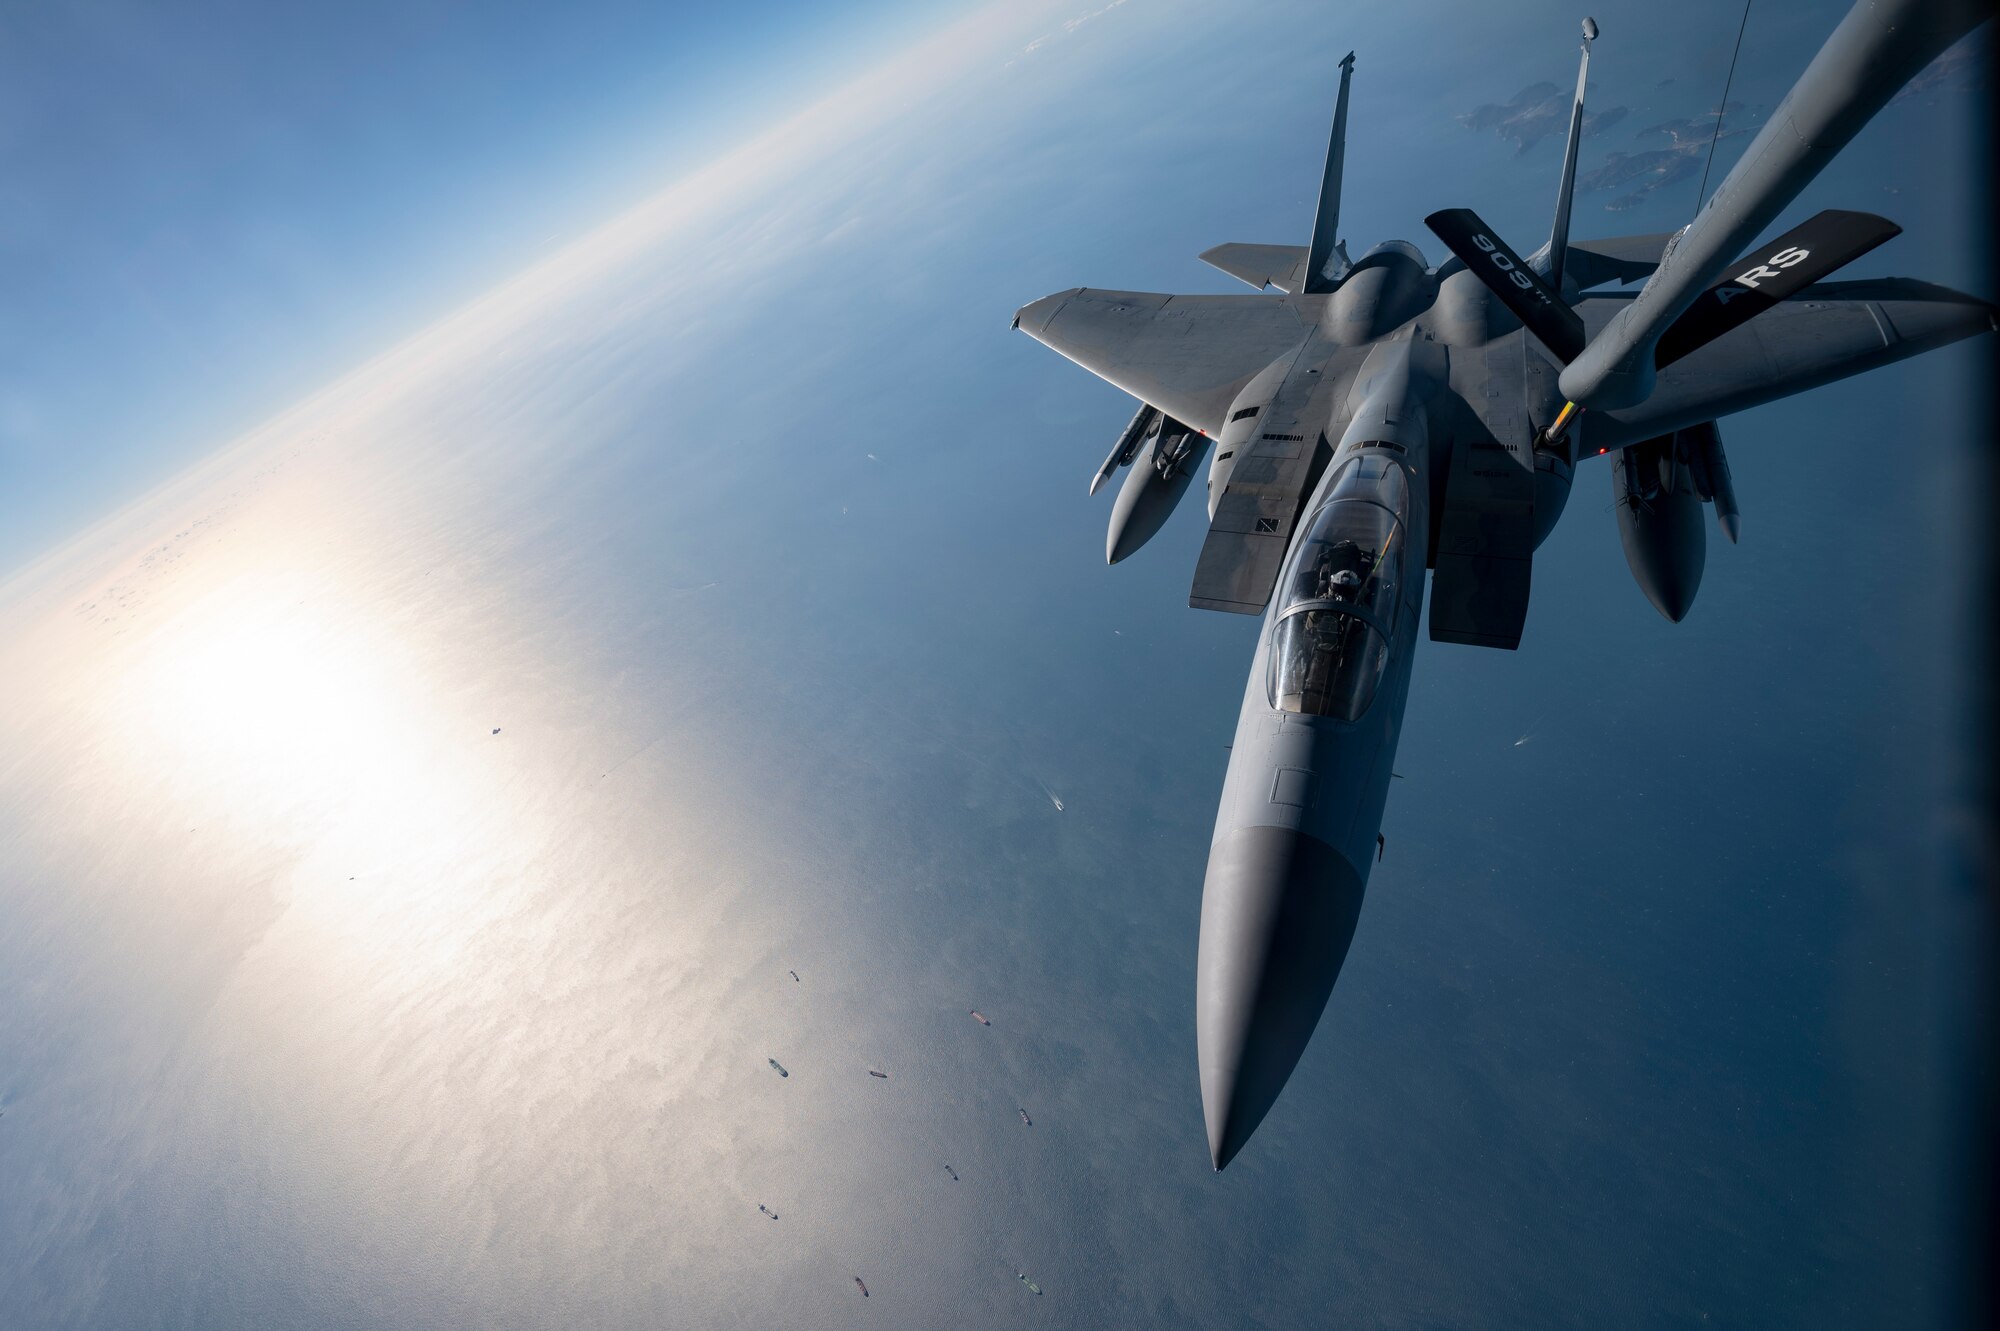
(1326, 263)
(1556, 251)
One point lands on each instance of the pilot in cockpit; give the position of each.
(1342, 570)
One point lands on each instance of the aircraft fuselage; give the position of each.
(1296, 831)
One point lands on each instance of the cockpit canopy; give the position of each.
(1341, 592)
(1351, 550)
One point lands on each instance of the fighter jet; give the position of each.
(1377, 419)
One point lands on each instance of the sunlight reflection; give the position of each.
(278, 711)
(279, 698)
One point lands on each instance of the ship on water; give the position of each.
(1025, 1119)
(794, 975)
(873, 1073)
(980, 1017)
(863, 1288)
(953, 1172)
(1032, 1286)
(767, 1210)
(777, 1067)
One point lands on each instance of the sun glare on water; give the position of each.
(267, 691)
(279, 698)
(278, 711)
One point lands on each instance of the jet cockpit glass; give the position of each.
(1350, 554)
(1352, 549)
(1373, 476)
(1331, 643)
(1326, 663)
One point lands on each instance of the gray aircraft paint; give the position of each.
(1425, 361)
(1324, 266)
(1659, 524)
(1301, 807)
(1554, 256)
(1159, 475)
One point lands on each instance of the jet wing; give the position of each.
(1187, 355)
(1825, 332)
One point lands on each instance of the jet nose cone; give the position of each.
(1278, 911)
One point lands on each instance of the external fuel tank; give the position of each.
(1659, 523)
(1153, 486)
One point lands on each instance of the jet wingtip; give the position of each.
(1037, 313)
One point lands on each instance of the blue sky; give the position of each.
(208, 211)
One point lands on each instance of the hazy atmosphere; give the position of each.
(539, 589)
